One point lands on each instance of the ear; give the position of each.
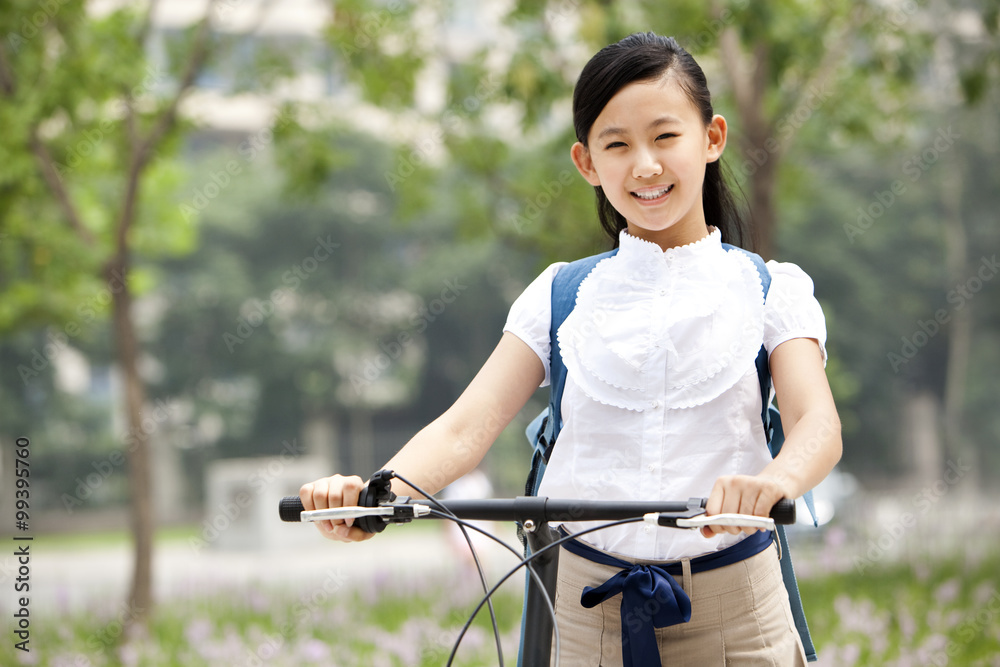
(581, 158)
(717, 132)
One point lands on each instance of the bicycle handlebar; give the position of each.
(379, 507)
(690, 514)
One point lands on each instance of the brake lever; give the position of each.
(398, 512)
(700, 519)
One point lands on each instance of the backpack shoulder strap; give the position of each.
(763, 369)
(775, 438)
(769, 414)
(565, 286)
(544, 429)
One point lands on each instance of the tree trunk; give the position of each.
(960, 326)
(362, 441)
(140, 598)
(921, 445)
(763, 210)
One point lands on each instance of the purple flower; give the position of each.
(313, 650)
(947, 591)
(198, 630)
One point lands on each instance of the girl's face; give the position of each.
(648, 150)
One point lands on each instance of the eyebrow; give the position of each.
(662, 120)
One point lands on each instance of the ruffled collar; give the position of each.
(636, 249)
(676, 327)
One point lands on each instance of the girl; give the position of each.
(661, 399)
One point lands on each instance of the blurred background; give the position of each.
(245, 244)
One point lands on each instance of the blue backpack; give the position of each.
(544, 429)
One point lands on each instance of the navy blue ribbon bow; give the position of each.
(651, 597)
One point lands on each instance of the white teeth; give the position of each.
(653, 194)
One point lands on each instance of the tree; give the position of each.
(802, 85)
(783, 65)
(88, 183)
(381, 332)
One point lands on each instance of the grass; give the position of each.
(908, 613)
(390, 623)
(921, 612)
(109, 538)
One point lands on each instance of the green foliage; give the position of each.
(71, 77)
(909, 613)
(390, 622)
(482, 193)
(915, 612)
(847, 96)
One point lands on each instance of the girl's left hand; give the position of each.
(742, 494)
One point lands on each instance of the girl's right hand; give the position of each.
(335, 491)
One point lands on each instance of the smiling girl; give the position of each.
(661, 398)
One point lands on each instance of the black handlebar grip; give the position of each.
(290, 508)
(783, 511)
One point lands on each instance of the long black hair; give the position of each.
(647, 56)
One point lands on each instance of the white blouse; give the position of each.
(661, 394)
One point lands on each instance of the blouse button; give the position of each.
(663, 292)
(651, 467)
(648, 529)
(654, 404)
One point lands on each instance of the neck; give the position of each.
(671, 237)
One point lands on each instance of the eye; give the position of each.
(666, 135)
(614, 144)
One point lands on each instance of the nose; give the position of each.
(646, 165)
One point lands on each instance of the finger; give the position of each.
(322, 490)
(355, 534)
(714, 506)
(766, 502)
(749, 501)
(732, 502)
(328, 493)
(305, 495)
(308, 494)
(350, 493)
(715, 498)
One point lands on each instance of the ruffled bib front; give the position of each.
(675, 328)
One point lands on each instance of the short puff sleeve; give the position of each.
(531, 314)
(790, 309)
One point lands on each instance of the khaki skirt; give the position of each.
(739, 616)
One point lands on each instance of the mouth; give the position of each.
(653, 194)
